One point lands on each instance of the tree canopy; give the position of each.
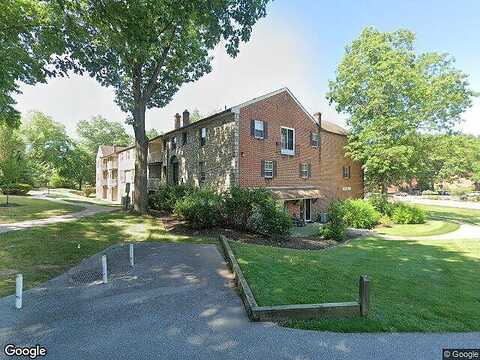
(390, 94)
(147, 49)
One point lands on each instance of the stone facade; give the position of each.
(307, 167)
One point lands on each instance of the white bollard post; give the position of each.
(19, 291)
(104, 269)
(132, 260)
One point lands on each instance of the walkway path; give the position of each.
(89, 209)
(178, 303)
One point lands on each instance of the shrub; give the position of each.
(202, 208)
(268, 218)
(335, 228)
(386, 221)
(381, 204)
(17, 189)
(240, 204)
(360, 214)
(407, 214)
(88, 191)
(165, 198)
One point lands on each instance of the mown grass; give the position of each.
(470, 216)
(23, 208)
(423, 286)
(429, 228)
(44, 252)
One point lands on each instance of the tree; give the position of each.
(13, 168)
(147, 49)
(390, 94)
(99, 131)
(152, 133)
(47, 144)
(195, 116)
(77, 166)
(28, 47)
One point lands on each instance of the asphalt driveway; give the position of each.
(178, 303)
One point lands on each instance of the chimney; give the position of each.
(318, 115)
(186, 118)
(177, 120)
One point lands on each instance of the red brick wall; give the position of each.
(326, 162)
(278, 110)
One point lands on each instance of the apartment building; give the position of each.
(270, 141)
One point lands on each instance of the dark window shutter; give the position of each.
(252, 127)
(274, 168)
(262, 168)
(349, 172)
(309, 170)
(265, 130)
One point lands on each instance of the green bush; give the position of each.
(202, 208)
(335, 228)
(165, 198)
(360, 214)
(240, 204)
(381, 204)
(268, 218)
(17, 189)
(407, 214)
(57, 181)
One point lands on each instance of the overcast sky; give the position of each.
(298, 45)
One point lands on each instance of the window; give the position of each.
(346, 172)
(201, 170)
(305, 171)
(165, 145)
(314, 139)
(258, 129)
(184, 138)
(173, 143)
(268, 169)
(288, 141)
(203, 136)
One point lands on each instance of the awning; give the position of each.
(296, 193)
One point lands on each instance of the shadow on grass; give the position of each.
(44, 252)
(416, 286)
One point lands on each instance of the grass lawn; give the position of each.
(471, 216)
(44, 252)
(429, 228)
(423, 286)
(25, 208)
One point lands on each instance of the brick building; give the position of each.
(270, 141)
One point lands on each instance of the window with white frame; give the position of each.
(305, 171)
(259, 129)
(347, 172)
(173, 144)
(268, 169)
(203, 136)
(315, 140)
(288, 141)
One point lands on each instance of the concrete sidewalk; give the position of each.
(89, 210)
(178, 303)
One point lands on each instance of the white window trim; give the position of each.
(262, 124)
(305, 170)
(268, 169)
(317, 142)
(287, 151)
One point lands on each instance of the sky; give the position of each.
(298, 45)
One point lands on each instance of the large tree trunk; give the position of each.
(140, 194)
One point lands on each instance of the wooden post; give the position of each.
(364, 294)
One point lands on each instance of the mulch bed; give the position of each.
(180, 227)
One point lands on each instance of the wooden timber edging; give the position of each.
(294, 312)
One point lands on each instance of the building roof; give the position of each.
(107, 150)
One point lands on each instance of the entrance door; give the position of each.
(307, 209)
(175, 173)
